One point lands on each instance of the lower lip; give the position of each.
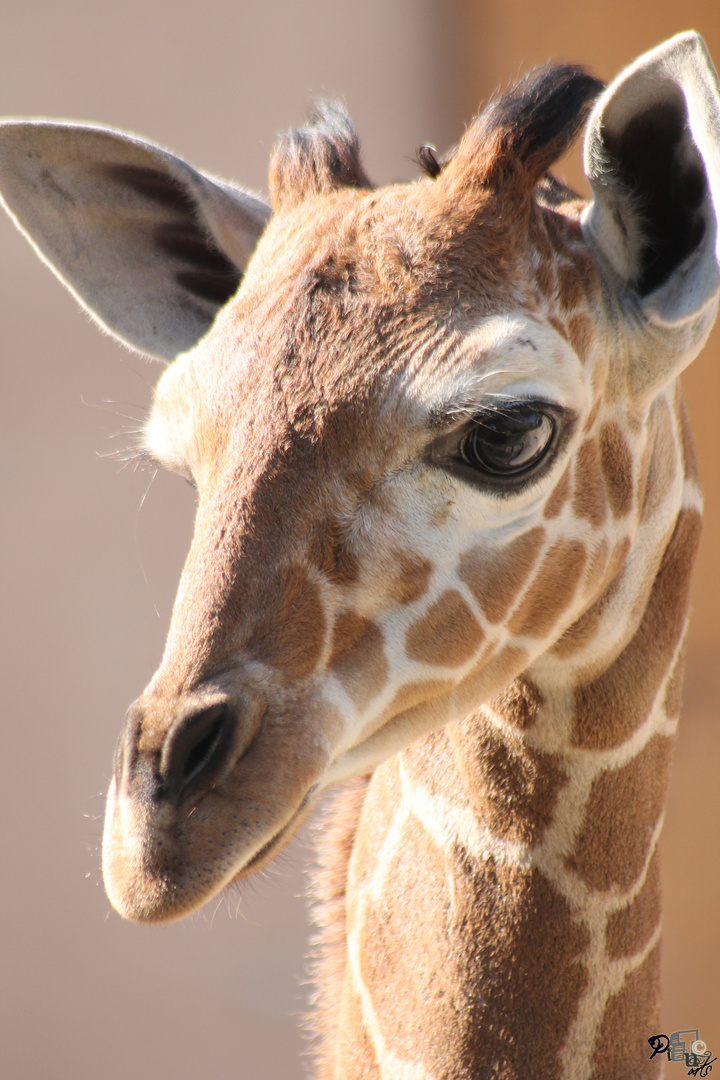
(276, 840)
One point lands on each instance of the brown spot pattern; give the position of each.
(629, 929)
(545, 278)
(458, 981)
(616, 461)
(541, 242)
(621, 1048)
(333, 555)
(513, 789)
(593, 414)
(618, 560)
(552, 589)
(611, 707)
(570, 289)
(413, 578)
(292, 638)
(674, 688)
(358, 656)
(559, 327)
(448, 633)
(582, 335)
(559, 496)
(519, 703)
(495, 577)
(560, 235)
(662, 459)
(589, 500)
(583, 630)
(430, 762)
(598, 568)
(422, 979)
(686, 439)
(490, 676)
(622, 811)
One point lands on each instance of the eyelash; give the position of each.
(491, 449)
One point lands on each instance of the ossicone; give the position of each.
(522, 133)
(316, 159)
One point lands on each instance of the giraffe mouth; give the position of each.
(282, 837)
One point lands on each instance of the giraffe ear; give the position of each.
(151, 247)
(652, 156)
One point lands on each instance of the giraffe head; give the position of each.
(418, 429)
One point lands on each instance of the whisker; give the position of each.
(137, 539)
(113, 407)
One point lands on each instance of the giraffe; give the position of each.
(447, 514)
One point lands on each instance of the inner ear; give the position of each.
(656, 162)
(199, 266)
(652, 156)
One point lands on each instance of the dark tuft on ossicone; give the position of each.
(523, 132)
(544, 112)
(321, 157)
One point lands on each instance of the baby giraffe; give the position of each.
(447, 514)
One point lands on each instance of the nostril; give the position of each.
(197, 746)
(202, 753)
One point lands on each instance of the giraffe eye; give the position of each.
(504, 447)
(508, 443)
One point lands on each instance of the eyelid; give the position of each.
(453, 416)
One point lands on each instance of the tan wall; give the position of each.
(83, 568)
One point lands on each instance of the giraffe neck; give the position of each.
(498, 892)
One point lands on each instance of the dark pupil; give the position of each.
(507, 444)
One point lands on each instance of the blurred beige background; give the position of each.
(89, 557)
